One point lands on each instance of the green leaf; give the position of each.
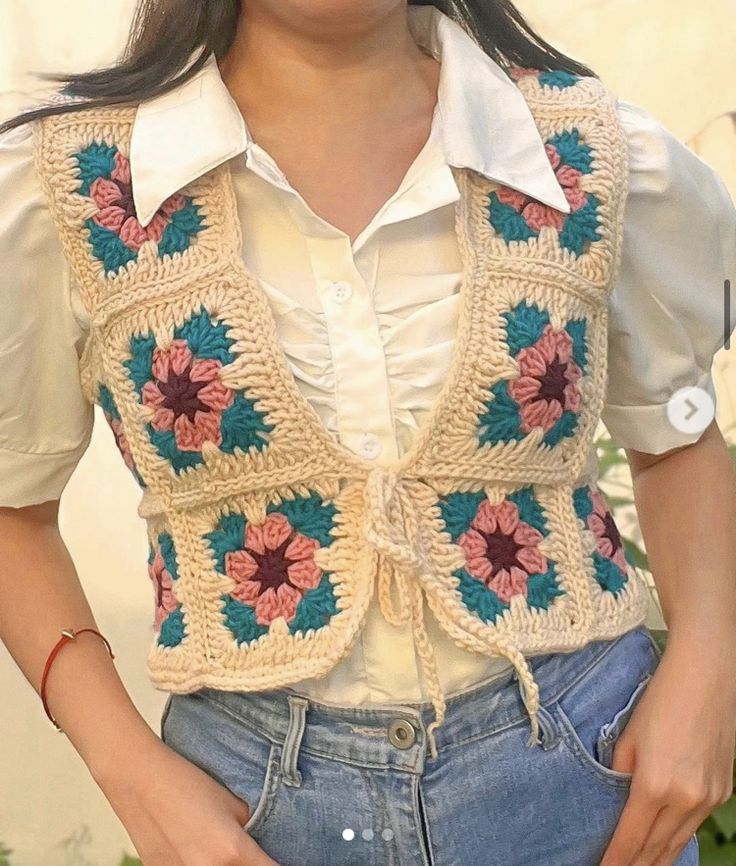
(635, 554)
(130, 861)
(713, 854)
(724, 817)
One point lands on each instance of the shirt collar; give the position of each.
(486, 124)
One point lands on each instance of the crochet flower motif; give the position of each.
(115, 233)
(609, 556)
(607, 537)
(545, 394)
(112, 416)
(516, 216)
(163, 584)
(187, 396)
(168, 619)
(273, 567)
(504, 553)
(548, 381)
(502, 550)
(188, 403)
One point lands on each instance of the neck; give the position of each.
(352, 72)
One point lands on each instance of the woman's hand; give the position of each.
(679, 745)
(174, 812)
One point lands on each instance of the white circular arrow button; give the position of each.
(691, 410)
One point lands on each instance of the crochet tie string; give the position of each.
(393, 527)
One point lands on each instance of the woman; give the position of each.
(422, 193)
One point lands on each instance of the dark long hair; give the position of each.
(166, 34)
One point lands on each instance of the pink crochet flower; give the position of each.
(548, 380)
(502, 550)
(116, 210)
(602, 525)
(536, 214)
(187, 396)
(163, 585)
(275, 568)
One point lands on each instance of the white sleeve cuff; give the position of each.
(649, 428)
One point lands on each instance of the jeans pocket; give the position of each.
(609, 733)
(594, 711)
(231, 752)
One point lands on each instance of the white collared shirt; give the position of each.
(368, 327)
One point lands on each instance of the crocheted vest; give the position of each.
(268, 538)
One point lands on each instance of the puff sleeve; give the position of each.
(666, 310)
(45, 420)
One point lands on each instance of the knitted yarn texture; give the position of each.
(267, 537)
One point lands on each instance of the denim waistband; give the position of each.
(359, 734)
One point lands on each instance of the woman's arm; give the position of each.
(40, 594)
(175, 814)
(679, 743)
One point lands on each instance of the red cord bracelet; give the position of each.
(67, 634)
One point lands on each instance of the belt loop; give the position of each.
(290, 772)
(549, 729)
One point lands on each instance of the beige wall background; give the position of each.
(674, 58)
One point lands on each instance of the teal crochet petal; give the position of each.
(608, 574)
(164, 442)
(573, 152)
(565, 426)
(524, 326)
(166, 542)
(558, 78)
(172, 630)
(541, 589)
(501, 421)
(141, 361)
(478, 598)
(205, 338)
(184, 225)
(581, 227)
(576, 328)
(240, 619)
(108, 248)
(458, 510)
(106, 401)
(95, 161)
(316, 609)
(229, 536)
(242, 426)
(110, 410)
(582, 504)
(530, 511)
(310, 516)
(508, 222)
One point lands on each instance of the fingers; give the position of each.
(657, 822)
(685, 810)
(633, 826)
(253, 854)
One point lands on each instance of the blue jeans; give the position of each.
(339, 786)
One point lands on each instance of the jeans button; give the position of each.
(401, 734)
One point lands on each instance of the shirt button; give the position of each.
(341, 291)
(401, 734)
(370, 446)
